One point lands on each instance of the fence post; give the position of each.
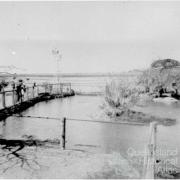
(70, 87)
(27, 91)
(64, 134)
(4, 98)
(33, 91)
(13, 94)
(50, 88)
(62, 86)
(37, 90)
(151, 153)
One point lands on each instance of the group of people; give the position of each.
(20, 88)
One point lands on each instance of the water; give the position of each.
(97, 136)
(167, 136)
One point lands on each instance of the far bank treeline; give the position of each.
(163, 76)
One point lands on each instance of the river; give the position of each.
(167, 136)
(103, 137)
(89, 136)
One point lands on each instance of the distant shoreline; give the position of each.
(132, 73)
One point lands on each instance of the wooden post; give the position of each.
(62, 86)
(151, 156)
(59, 92)
(27, 91)
(37, 90)
(64, 134)
(13, 97)
(33, 91)
(4, 98)
(50, 90)
(70, 88)
(21, 98)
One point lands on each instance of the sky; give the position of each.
(90, 36)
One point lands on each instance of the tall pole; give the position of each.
(58, 58)
(58, 68)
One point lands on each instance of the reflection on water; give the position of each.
(105, 137)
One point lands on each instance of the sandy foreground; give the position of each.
(42, 162)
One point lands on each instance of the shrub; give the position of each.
(120, 94)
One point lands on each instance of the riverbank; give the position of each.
(17, 108)
(131, 115)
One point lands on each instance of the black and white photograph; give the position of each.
(89, 89)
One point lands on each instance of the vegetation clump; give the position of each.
(121, 96)
(162, 74)
(165, 63)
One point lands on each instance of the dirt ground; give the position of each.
(53, 162)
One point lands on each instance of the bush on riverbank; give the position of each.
(121, 95)
(119, 99)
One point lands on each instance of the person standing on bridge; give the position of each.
(23, 90)
(18, 91)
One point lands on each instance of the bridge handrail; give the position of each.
(32, 91)
(39, 85)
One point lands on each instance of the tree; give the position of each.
(162, 73)
(165, 64)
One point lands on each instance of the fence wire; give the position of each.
(82, 120)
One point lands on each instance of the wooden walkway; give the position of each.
(10, 98)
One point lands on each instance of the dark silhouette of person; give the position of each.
(19, 92)
(161, 91)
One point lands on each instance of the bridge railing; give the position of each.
(10, 97)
